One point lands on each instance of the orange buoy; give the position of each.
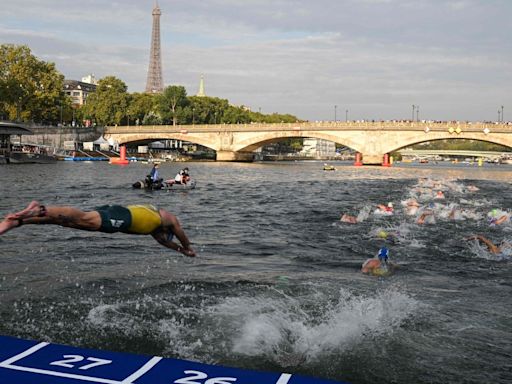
(385, 162)
(120, 160)
(358, 162)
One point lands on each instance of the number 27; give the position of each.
(76, 358)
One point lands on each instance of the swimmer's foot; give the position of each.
(9, 224)
(34, 209)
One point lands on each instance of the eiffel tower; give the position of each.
(154, 83)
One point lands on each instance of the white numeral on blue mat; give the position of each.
(197, 375)
(76, 358)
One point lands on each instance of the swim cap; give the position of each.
(382, 234)
(494, 212)
(390, 205)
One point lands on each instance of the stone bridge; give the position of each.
(372, 140)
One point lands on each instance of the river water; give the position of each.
(277, 284)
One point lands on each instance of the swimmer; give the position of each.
(348, 219)
(496, 249)
(412, 206)
(379, 266)
(132, 219)
(385, 208)
(383, 256)
(370, 265)
(423, 217)
(495, 220)
(439, 195)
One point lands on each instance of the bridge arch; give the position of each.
(132, 138)
(254, 143)
(407, 142)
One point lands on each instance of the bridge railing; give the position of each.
(320, 126)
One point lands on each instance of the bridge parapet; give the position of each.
(373, 140)
(322, 126)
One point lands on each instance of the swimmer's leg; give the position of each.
(64, 216)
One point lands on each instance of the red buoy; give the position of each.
(120, 160)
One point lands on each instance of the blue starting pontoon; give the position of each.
(28, 362)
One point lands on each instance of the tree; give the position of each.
(142, 105)
(30, 89)
(109, 104)
(172, 104)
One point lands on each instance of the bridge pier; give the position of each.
(235, 156)
(372, 159)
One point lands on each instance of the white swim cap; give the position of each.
(390, 205)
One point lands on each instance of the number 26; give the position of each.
(200, 376)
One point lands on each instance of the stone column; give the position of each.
(235, 156)
(372, 159)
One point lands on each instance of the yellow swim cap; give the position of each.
(382, 234)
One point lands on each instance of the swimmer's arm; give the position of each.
(492, 248)
(162, 239)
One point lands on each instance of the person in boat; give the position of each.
(182, 177)
(493, 248)
(153, 180)
(133, 219)
(154, 173)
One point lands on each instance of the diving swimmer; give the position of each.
(132, 219)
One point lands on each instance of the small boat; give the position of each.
(148, 185)
(29, 153)
(329, 167)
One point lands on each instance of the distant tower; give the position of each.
(201, 88)
(154, 83)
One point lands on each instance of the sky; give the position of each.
(316, 59)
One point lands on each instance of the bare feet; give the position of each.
(7, 225)
(32, 210)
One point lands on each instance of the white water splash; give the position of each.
(282, 330)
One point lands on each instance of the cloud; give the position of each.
(374, 57)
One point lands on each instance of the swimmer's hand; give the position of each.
(187, 251)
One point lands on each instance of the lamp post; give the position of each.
(502, 118)
(499, 119)
(193, 116)
(417, 113)
(335, 110)
(413, 108)
(346, 115)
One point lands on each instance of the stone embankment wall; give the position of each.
(57, 136)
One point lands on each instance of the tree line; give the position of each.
(31, 90)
